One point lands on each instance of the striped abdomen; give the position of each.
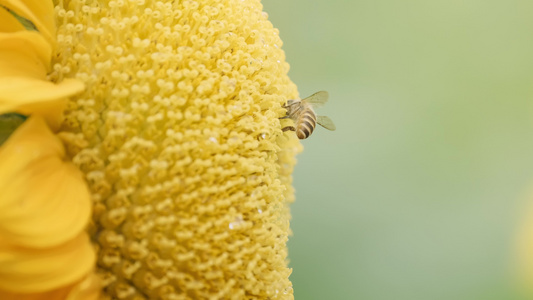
(306, 123)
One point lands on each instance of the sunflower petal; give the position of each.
(24, 53)
(16, 89)
(31, 270)
(37, 97)
(44, 201)
(86, 289)
(39, 12)
(9, 22)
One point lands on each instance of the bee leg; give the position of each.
(291, 128)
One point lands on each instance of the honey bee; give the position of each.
(304, 117)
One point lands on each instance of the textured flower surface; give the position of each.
(179, 138)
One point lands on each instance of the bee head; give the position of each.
(290, 103)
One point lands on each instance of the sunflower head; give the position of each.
(178, 137)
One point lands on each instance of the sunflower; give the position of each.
(150, 161)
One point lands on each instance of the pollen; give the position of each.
(179, 138)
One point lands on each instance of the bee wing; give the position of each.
(326, 122)
(317, 99)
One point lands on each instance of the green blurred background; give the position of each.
(420, 191)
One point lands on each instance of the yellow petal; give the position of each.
(37, 97)
(86, 289)
(24, 53)
(44, 199)
(39, 12)
(30, 270)
(9, 22)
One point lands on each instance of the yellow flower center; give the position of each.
(179, 139)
